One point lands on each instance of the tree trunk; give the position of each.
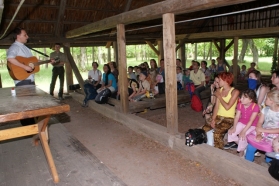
(204, 50)
(254, 51)
(93, 55)
(83, 58)
(196, 51)
(100, 60)
(243, 50)
(209, 54)
(46, 65)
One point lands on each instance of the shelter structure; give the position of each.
(164, 25)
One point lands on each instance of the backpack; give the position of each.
(274, 169)
(195, 136)
(102, 97)
(196, 103)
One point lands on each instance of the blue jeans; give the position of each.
(90, 92)
(250, 154)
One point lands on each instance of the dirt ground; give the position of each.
(135, 159)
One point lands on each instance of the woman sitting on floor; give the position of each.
(224, 110)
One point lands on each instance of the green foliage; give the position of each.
(274, 65)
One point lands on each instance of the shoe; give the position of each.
(230, 145)
(257, 154)
(84, 104)
(272, 155)
(61, 98)
(182, 105)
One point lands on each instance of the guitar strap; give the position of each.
(37, 51)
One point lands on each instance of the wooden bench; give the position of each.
(158, 102)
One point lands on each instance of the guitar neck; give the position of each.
(41, 62)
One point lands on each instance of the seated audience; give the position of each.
(245, 121)
(224, 110)
(267, 128)
(206, 72)
(198, 78)
(212, 67)
(179, 77)
(92, 84)
(144, 86)
(131, 74)
(207, 113)
(108, 80)
(238, 69)
(254, 83)
(221, 66)
(161, 71)
(252, 67)
(243, 73)
(114, 70)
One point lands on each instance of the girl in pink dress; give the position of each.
(245, 120)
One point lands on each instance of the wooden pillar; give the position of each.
(275, 51)
(122, 62)
(115, 52)
(109, 54)
(69, 76)
(0, 81)
(222, 49)
(73, 65)
(182, 55)
(235, 61)
(161, 50)
(170, 72)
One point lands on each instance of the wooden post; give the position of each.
(275, 51)
(161, 50)
(0, 81)
(115, 52)
(69, 76)
(170, 73)
(72, 63)
(109, 54)
(182, 55)
(222, 49)
(122, 61)
(235, 61)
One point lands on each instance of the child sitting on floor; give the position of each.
(179, 77)
(245, 121)
(267, 128)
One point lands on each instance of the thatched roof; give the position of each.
(47, 21)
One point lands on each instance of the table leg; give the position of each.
(48, 155)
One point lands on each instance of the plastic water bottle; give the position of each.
(13, 91)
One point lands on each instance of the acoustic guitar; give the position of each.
(18, 73)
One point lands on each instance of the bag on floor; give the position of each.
(210, 137)
(196, 103)
(274, 169)
(195, 136)
(103, 96)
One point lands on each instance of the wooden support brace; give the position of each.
(229, 45)
(217, 46)
(153, 48)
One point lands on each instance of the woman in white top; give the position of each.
(254, 83)
(92, 84)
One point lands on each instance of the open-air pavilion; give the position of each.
(165, 26)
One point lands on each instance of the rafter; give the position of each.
(151, 12)
(60, 17)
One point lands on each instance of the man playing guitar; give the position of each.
(19, 49)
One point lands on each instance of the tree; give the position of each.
(254, 50)
(243, 50)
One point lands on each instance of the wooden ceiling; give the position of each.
(47, 21)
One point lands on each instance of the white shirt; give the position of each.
(19, 49)
(179, 77)
(95, 74)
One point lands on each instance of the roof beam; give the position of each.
(68, 8)
(230, 34)
(60, 17)
(151, 12)
(128, 5)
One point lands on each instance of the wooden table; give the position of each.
(30, 102)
